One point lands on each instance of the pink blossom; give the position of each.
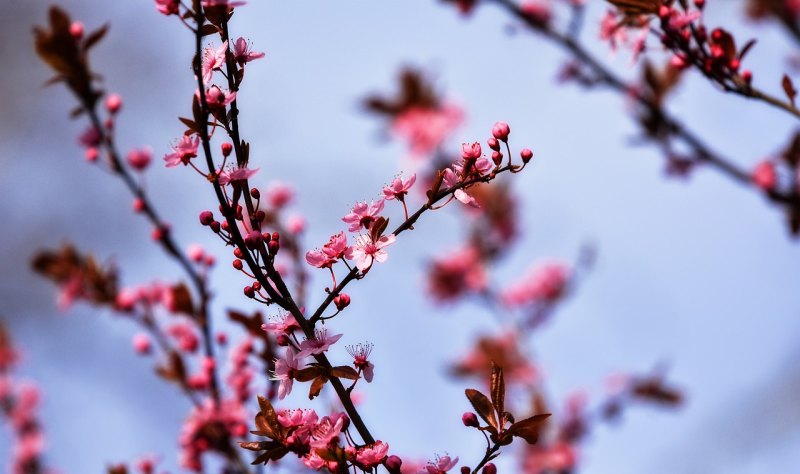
(537, 10)
(679, 21)
(426, 128)
(213, 59)
(363, 215)
(284, 371)
(318, 344)
(206, 418)
(279, 194)
(557, 457)
(398, 188)
(440, 466)
(544, 283)
(451, 180)
(326, 431)
(168, 7)
(330, 253)
(360, 354)
(283, 324)
(183, 151)
(297, 418)
(185, 335)
(372, 455)
(471, 150)
(236, 174)
(365, 251)
(139, 158)
(500, 131)
(242, 52)
(457, 273)
(217, 98)
(296, 224)
(195, 252)
(611, 30)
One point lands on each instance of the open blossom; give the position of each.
(327, 430)
(363, 215)
(330, 253)
(365, 251)
(441, 465)
(318, 344)
(471, 150)
(183, 151)
(398, 188)
(544, 283)
(213, 59)
(242, 52)
(208, 428)
(457, 273)
(426, 128)
(372, 455)
(236, 174)
(360, 354)
(450, 180)
(217, 98)
(283, 324)
(284, 372)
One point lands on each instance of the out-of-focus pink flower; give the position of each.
(363, 215)
(558, 457)
(318, 344)
(213, 59)
(398, 188)
(296, 224)
(90, 138)
(426, 128)
(183, 151)
(185, 335)
(201, 431)
(236, 174)
(242, 52)
(217, 98)
(168, 7)
(279, 194)
(139, 158)
(372, 455)
(455, 274)
(764, 175)
(544, 283)
(141, 343)
(365, 251)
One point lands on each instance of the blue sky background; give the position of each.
(699, 274)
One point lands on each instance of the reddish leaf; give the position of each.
(344, 372)
(528, 429)
(483, 406)
(182, 299)
(309, 373)
(95, 36)
(498, 390)
(207, 29)
(316, 386)
(788, 87)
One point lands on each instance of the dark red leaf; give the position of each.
(483, 406)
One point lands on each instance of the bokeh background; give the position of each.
(698, 274)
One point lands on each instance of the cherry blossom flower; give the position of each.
(201, 430)
(297, 418)
(168, 7)
(363, 215)
(296, 224)
(242, 52)
(183, 151)
(242, 173)
(471, 150)
(372, 455)
(451, 180)
(185, 335)
(398, 188)
(217, 98)
(360, 354)
(426, 128)
(279, 194)
(440, 465)
(284, 372)
(326, 431)
(283, 324)
(457, 273)
(558, 457)
(318, 344)
(544, 283)
(213, 59)
(330, 253)
(365, 251)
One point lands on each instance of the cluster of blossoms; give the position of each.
(209, 427)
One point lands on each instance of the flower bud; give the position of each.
(465, 470)
(747, 75)
(497, 157)
(500, 131)
(282, 340)
(393, 464)
(227, 148)
(113, 103)
(214, 226)
(237, 252)
(489, 469)
(493, 144)
(76, 30)
(470, 419)
(274, 246)
(138, 205)
(206, 218)
(249, 292)
(237, 264)
(526, 155)
(255, 193)
(342, 301)
(253, 239)
(92, 154)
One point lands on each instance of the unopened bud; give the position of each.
(274, 246)
(227, 148)
(237, 264)
(255, 193)
(76, 30)
(500, 131)
(493, 144)
(113, 103)
(206, 218)
(249, 292)
(342, 301)
(489, 469)
(393, 464)
(138, 205)
(497, 157)
(526, 155)
(470, 419)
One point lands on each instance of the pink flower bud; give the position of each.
(493, 144)
(526, 155)
(500, 131)
(747, 76)
(113, 103)
(497, 157)
(283, 340)
(222, 338)
(206, 218)
(195, 252)
(253, 239)
(237, 264)
(227, 148)
(139, 159)
(141, 344)
(255, 193)
(393, 464)
(274, 246)
(465, 470)
(470, 419)
(92, 154)
(489, 469)
(138, 205)
(342, 301)
(471, 150)
(215, 226)
(764, 175)
(76, 30)
(249, 292)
